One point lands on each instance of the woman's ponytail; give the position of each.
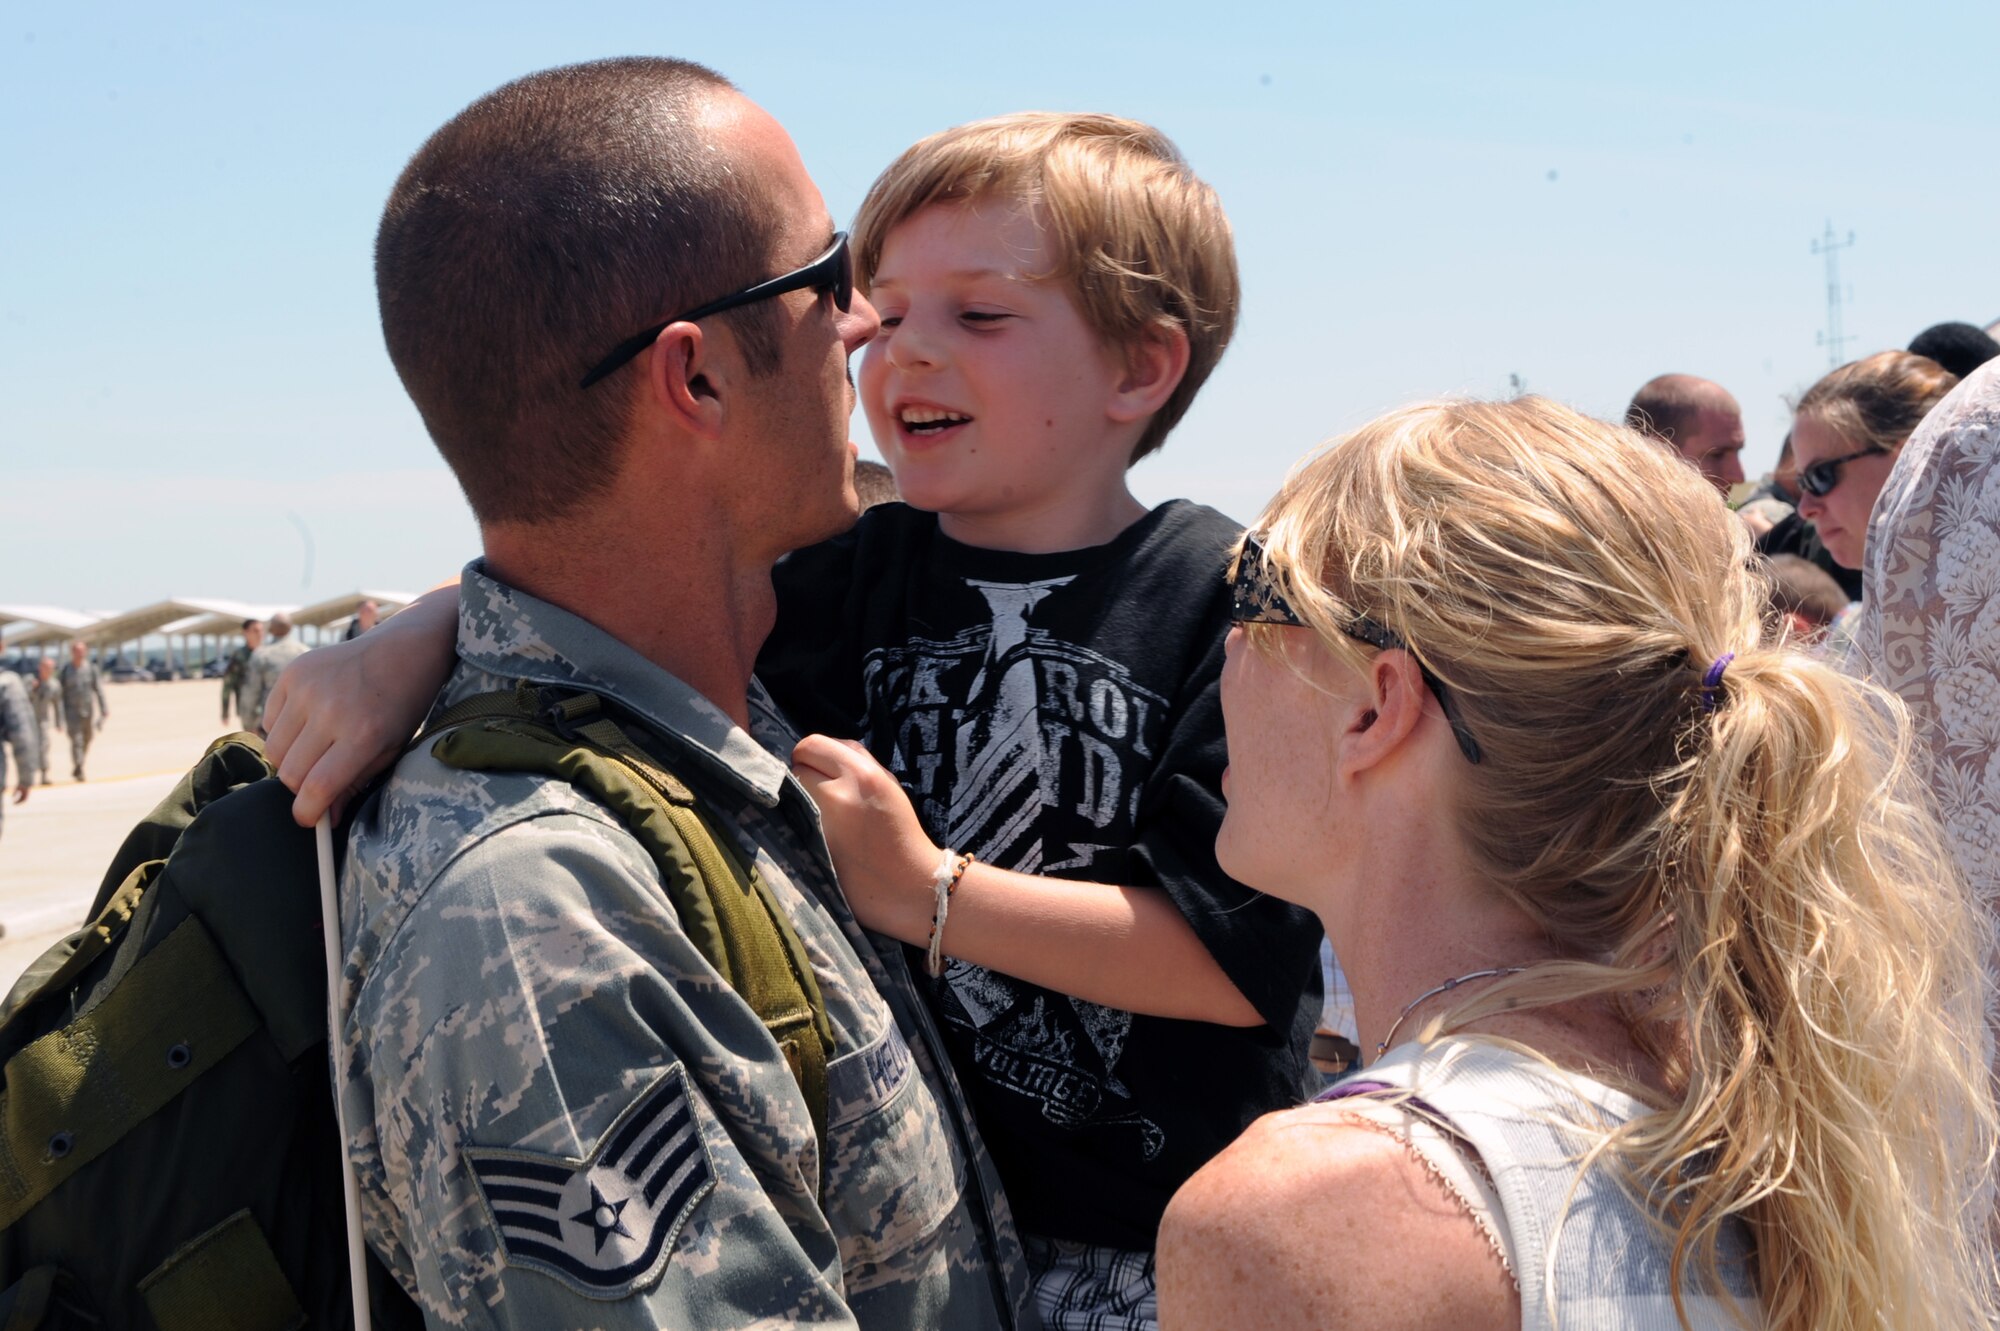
(1836, 1090)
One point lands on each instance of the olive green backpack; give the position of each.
(169, 1155)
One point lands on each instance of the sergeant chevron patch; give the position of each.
(606, 1226)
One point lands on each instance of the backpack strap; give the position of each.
(230, 763)
(72, 1094)
(726, 908)
(91, 942)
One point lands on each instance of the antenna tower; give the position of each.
(1833, 338)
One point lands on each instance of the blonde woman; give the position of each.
(1669, 990)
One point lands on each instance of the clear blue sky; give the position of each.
(1427, 199)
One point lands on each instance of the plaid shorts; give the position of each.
(1083, 1288)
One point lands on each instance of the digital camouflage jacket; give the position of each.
(560, 1113)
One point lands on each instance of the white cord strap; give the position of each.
(329, 913)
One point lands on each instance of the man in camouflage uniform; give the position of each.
(83, 706)
(266, 663)
(17, 731)
(46, 694)
(238, 668)
(521, 1008)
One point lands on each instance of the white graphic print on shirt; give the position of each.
(1040, 769)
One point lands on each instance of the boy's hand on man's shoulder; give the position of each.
(881, 852)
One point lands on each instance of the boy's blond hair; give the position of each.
(1140, 240)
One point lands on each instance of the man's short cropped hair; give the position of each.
(541, 226)
(1141, 240)
(1665, 407)
(249, 624)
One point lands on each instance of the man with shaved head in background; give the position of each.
(1697, 419)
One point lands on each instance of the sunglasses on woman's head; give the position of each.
(1818, 479)
(1256, 598)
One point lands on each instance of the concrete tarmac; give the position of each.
(55, 847)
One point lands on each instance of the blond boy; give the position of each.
(1029, 659)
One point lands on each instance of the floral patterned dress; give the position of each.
(1930, 623)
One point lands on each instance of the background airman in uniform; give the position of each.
(46, 694)
(83, 706)
(18, 732)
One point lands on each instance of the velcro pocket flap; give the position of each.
(225, 1280)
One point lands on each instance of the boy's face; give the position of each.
(988, 393)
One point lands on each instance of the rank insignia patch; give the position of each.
(604, 1227)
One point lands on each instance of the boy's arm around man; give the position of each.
(1173, 936)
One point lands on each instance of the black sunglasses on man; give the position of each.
(831, 272)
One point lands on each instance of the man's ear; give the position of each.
(1154, 366)
(684, 380)
(1384, 717)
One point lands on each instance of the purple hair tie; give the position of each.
(1711, 683)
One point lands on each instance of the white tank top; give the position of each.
(1506, 1133)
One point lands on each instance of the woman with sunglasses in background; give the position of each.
(1670, 988)
(1849, 426)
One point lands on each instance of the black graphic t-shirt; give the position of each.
(1058, 714)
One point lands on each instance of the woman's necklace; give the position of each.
(1444, 988)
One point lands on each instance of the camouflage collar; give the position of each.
(509, 633)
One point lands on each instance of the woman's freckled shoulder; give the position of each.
(1312, 1214)
(1304, 1156)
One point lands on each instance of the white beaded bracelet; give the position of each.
(951, 868)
